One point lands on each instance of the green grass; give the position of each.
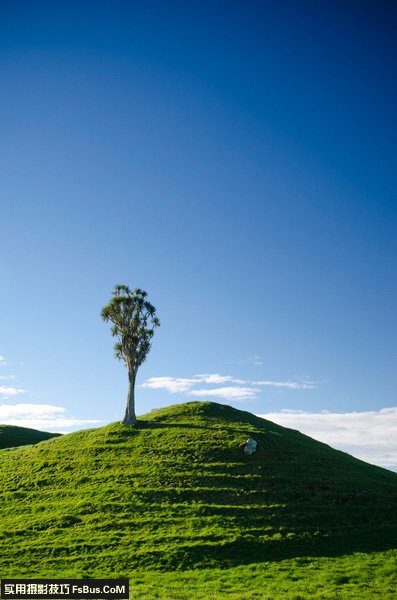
(176, 506)
(12, 436)
(353, 577)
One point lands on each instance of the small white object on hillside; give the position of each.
(250, 446)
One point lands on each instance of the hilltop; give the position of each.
(12, 436)
(177, 492)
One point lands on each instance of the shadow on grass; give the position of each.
(276, 523)
(249, 550)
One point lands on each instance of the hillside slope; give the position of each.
(177, 492)
(12, 436)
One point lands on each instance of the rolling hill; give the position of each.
(177, 493)
(12, 436)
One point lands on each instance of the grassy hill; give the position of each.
(12, 436)
(176, 493)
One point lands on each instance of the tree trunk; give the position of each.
(129, 417)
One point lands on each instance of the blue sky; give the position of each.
(236, 161)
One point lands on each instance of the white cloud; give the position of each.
(215, 378)
(41, 416)
(290, 385)
(6, 391)
(10, 391)
(12, 410)
(231, 393)
(370, 435)
(173, 385)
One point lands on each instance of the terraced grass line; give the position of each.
(177, 495)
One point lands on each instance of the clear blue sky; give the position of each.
(237, 161)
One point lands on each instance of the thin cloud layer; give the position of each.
(41, 416)
(232, 393)
(370, 435)
(290, 385)
(173, 385)
(7, 391)
(240, 390)
(215, 378)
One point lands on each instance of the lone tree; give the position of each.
(134, 320)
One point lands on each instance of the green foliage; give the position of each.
(134, 320)
(175, 505)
